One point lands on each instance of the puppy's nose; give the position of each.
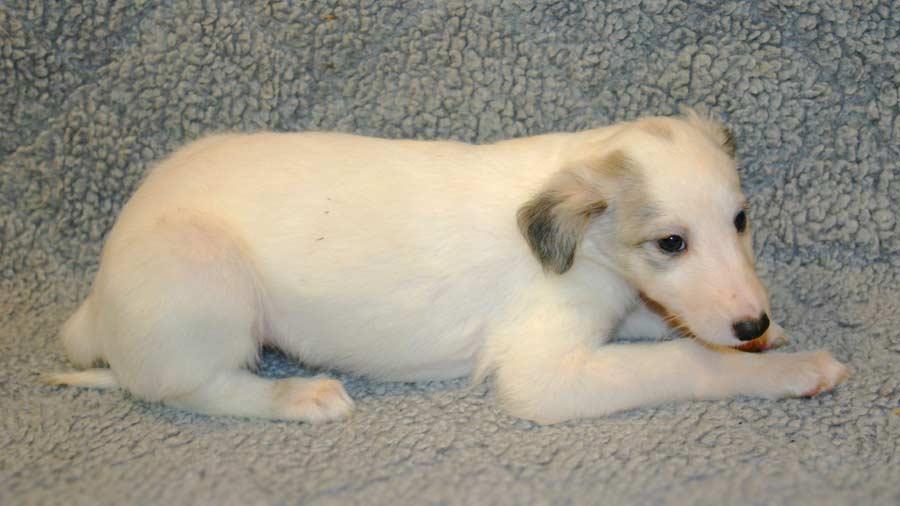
(748, 330)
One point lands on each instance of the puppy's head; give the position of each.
(659, 202)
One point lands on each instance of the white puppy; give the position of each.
(411, 260)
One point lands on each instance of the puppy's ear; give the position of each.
(554, 221)
(716, 130)
(729, 144)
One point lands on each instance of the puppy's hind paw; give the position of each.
(313, 400)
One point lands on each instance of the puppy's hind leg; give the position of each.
(180, 317)
(242, 393)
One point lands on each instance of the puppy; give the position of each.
(410, 260)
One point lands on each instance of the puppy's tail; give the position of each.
(90, 378)
(79, 339)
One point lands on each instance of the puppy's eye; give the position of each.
(740, 222)
(673, 244)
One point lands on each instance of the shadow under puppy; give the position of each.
(413, 260)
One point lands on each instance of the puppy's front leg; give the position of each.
(584, 382)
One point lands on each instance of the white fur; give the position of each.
(402, 260)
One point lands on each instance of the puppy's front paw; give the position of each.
(808, 374)
(312, 400)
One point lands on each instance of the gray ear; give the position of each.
(553, 222)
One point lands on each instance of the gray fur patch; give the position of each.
(548, 229)
(554, 221)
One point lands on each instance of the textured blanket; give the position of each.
(93, 92)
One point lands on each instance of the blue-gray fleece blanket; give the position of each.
(92, 92)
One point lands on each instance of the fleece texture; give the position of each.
(93, 92)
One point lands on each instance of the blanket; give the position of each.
(92, 93)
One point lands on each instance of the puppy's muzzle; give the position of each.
(748, 330)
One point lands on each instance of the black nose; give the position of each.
(751, 329)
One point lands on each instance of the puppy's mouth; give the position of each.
(756, 345)
(671, 318)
